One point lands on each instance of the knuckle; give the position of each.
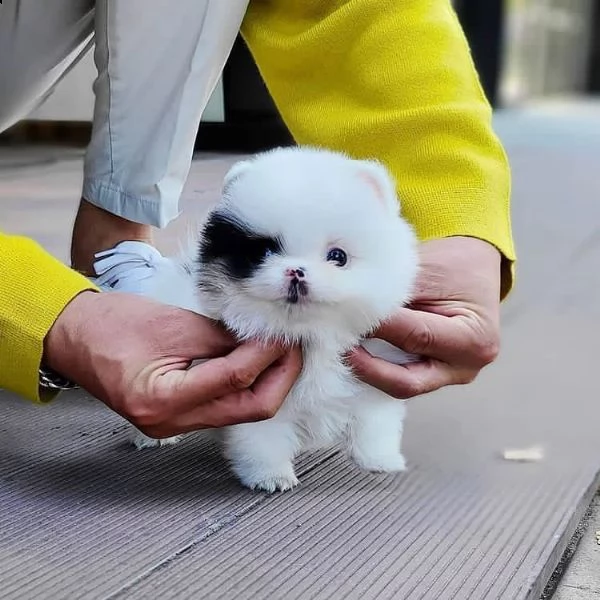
(419, 340)
(241, 378)
(144, 414)
(268, 412)
(145, 419)
(409, 389)
(487, 350)
(415, 388)
(467, 377)
(265, 410)
(262, 414)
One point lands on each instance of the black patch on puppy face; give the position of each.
(235, 245)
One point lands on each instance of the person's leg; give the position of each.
(38, 46)
(158, 62)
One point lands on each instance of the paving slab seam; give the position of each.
(565, 549)
(555, 580)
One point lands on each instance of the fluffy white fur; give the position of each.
(312, 200)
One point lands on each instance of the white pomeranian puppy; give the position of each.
(308, 246)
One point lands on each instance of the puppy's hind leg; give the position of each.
(375, 433)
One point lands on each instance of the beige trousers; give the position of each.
(158, 62)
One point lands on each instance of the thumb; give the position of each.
(198, 337)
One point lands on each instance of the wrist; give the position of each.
(60, 344)
(489, 258)
(478, 250)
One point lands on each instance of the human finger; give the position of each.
(274, 384)
(257, 403)
(408, 380)
(448, 339)
(196, 336)
(183, 390)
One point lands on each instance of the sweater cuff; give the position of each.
(34, 289)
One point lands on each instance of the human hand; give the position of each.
(453, 322)
(134, 355)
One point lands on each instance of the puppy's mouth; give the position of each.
(297, 291)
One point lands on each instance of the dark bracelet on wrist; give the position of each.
(51, 380)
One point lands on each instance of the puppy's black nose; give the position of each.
(299, 272)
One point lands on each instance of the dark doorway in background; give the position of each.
(483, 23)
(252, 122)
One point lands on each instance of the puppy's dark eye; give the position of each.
(337, 256)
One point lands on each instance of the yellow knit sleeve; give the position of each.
(393, 81)
(34, 289)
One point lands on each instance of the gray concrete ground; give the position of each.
(577, 125)
(84, 517)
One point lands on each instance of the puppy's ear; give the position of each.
(376, 176)
(234, 173)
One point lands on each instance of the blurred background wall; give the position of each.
(550, 49)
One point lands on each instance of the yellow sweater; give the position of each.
(392, 80)
(34, 289)
(375, 78)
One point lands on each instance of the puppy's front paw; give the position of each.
(141, 441)
(270, 482)
(275, 483)
(381, 463)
